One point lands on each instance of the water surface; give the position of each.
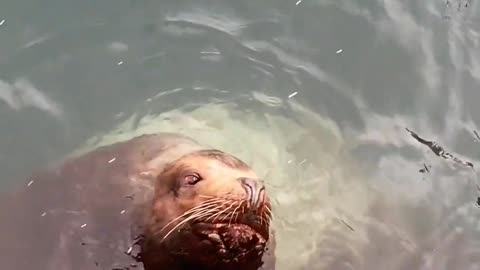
(314, 94)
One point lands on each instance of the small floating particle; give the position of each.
(119, 63)
(292, 94)
(44, 214)
(425, 168)
(339, 51)
(112, 160)
(2, 22)
(290, 161)
(298, 2)
(303, 161)
(346, 224)
(123, 212)
(129, 251)
(84, 225)
(30, 183)
(476, 135)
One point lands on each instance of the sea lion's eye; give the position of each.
(192, 179)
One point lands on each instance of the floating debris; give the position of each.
(346, 224)
(2, 22)
(438, 150)
(129, 251)
(119, 63)
(476, 135)
(339, 51)
(84, 225)
(44, 214)
(292, 94)
(290, 161)
(123, 212)
(112, 160)
(425, 168)
(298, 2)
(458, 6)
(131, 197)
(30, 183)
(303, 161)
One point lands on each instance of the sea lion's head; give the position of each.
(210, 210)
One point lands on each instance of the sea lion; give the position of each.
(158, 201)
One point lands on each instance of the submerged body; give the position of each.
(155, 202)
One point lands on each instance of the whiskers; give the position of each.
(225, 208)
(195, 213)
(268, 213)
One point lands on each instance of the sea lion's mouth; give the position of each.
(233, 239)
(247, 224)
(237, 229)
(220, 245)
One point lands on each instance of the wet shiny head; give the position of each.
(210, 210)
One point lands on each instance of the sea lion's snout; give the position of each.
(255, 191)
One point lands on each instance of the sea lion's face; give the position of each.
(211, 210)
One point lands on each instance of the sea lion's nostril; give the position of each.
(255, 191)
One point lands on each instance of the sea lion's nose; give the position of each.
(255, 191)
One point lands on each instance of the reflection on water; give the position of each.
(316, 95)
